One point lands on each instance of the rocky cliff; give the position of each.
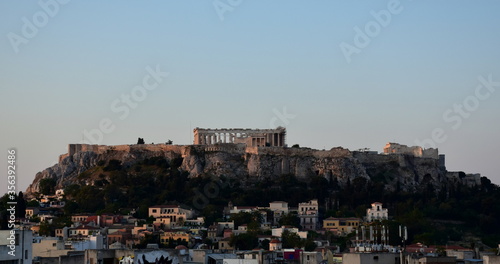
(254, 163)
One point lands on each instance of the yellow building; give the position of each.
(174, 235)
(175, 213)
(341, 226)
(224, 244)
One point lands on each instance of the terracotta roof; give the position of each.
(120, 233)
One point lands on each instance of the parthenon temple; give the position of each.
(250, 137)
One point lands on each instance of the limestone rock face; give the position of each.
(232, 160)
(65, 171)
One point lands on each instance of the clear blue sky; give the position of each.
(239, 66)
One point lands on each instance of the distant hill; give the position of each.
(435, 204)
(403, 171)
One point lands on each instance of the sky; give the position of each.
(355, 74)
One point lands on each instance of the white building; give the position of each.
(376, 212)
(310, 257)
(308, 215)
(276, 232)
(242, 209)
(371, 258)
(279, 208)
(48, 247)
(16, 246)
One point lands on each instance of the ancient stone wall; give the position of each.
(102, 149)
(416, 151)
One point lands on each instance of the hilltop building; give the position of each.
(249, 137)
(416, 151)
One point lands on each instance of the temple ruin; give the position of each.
(416, 151)
(249, 137)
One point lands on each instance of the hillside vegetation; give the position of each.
(452, 213)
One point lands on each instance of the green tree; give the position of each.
(4, 214)
(309, 245)
(47, 186)
(244, 241)
(113, 165)
(70, 208)
(254, 218)
(290, 240)
(45, 229)
(319, 188)
(289, 219)
(265, 244)
(33, 203)
(21, 206)
(90, 199)
(71, 190)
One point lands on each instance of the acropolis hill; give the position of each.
(254, 154)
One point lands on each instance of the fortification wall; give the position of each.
(332, 153)
(469, 179)
(63, 156)
(102, 149)
(228, 147)
(430, 153)
(416, 151)
(367, 157)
